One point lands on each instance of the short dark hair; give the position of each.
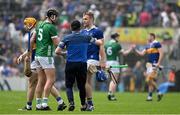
(75, 25)
(153, 35)
(52, 11)
(114, 35)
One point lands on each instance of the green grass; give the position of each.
(127, 103)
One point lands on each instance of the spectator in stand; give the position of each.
(145, 18)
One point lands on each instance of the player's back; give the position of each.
(77, 46)
(112, 49)
(44, 33)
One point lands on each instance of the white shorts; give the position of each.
(149, 68)
(114, 70)
(33, 65)
(44, 62)
(92, 62)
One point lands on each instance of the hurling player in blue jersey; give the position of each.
(94, 52)
(155, 55)
(76, 66)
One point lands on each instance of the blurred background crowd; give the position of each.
(108, 14)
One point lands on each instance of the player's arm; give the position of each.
(32, 41)
(126, 52)
(54, 35)
(160, 56)
(58, 50)
(26, 53)
(55, 40)
(22, 56)
(99, 42)
(60, 47)
(141, 53)
(102, 55)
(96, 41)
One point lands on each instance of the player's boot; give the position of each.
(47, 108)
(38, 107)
(84, 107)
(149, 98)
(90, 108)
(112, 98)
(71, 106)
(61, 107)
(159, 97)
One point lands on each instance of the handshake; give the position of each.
(131, 49)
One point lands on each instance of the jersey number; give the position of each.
(109, 51)
(40, 36)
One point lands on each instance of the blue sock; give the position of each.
(157, 90)
(89, 101)
(150, 94)
(29, 103)
(58, 99)
(69, 93)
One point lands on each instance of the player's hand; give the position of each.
(27, 58)
(19, 59)
(133, 46)
(158, 66)
(103, 64)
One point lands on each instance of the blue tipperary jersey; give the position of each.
(152, 51)
(93, 49)
(34, 47)
(33, 55)
(76, 45)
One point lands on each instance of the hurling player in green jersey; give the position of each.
(46, 38)
(30, 68)
(113, 50)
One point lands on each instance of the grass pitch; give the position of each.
(127, 103)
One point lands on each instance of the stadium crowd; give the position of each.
(108, 13)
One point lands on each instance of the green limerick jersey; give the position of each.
(112, 49)
(45, 32)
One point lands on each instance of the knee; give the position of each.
(32, 83)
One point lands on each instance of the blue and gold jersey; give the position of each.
(33, 55)
(153, 52)
(93, 49)
(33, 48)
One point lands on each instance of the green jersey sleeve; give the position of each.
(53, 31)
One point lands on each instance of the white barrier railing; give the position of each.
(13, 83)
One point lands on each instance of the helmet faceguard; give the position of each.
(52, 14)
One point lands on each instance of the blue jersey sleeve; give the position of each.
(157, 45)
(62, 43)
(99, 34)
(91, 39)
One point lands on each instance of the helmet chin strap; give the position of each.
(52, 18)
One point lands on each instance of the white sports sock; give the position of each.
(60, 101)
